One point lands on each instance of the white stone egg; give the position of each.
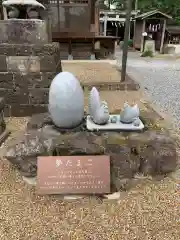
(66, 100)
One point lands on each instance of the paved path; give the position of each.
(160, 79)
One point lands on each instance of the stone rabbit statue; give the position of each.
(98, 110)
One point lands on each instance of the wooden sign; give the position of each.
(73, 175)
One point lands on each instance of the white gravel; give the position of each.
(161, 81)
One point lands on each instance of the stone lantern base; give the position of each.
(28, 63)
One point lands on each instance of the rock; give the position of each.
(66, 101)
(73, 197)
(39, 120)
(157, 152)
(23, 151)
(30, 180)
(113, 196)
(149, 152)
(82, 143)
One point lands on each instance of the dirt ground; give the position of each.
(149, 211)
(93, 72)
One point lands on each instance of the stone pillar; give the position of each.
(28, 63)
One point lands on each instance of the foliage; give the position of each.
(171, 7)
(167, 6)
(147, 53)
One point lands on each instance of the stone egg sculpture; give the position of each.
(66, 101)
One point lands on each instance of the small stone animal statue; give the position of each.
(98, 110)
(13, 13)
(129, 114)
(32, 13)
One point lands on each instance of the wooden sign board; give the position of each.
(73, 175)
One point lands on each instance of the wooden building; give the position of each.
(154, 24)
(173, 34)
(75, 25)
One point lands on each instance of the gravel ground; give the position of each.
(149, 211)
(160, 80)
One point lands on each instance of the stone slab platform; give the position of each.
(113, 126)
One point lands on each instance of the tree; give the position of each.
(171, 7)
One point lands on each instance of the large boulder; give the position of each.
(24, 150)
(149, 152)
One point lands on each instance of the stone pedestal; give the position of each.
(28, 63)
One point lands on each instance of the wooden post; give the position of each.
(162, 36)
(49, 29)
(117, 30)
(126, 36)
(105, 24)
(142, 37)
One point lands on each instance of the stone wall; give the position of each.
(26, 72)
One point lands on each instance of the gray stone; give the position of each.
(66, 101)
(129, 114)
(157, 152)
(23, 151)
(39, 120)
(23, 31)
(30, 181)
(149, 153)
(23, 64)
(113, 196)
(13, 13)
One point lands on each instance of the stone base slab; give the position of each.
(113, 126)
